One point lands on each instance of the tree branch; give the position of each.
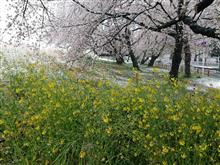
(206, 31)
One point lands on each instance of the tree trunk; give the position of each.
(130, 50)
(202, 5)
(154, 58)
(133, 59)
(144, 58)
(188, 56)
(119, 59)
(152, 61)
(177, 55)
(117, 53)
(177, 58)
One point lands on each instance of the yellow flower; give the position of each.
(95, 104)
(105, 119)
(182, 142)
(21, 100)
(100, 84)
(217, 133)
(148, 137)
(166, 99)
(26, 144)
(202, 148)
(47, 162)
(83, 105)
(1, 122)
(109, 130)
(7, 132)
(17, 90)
(82, 154)
(183, 156)
(57, 105)
(151, 144)
(51, 85)
(44, 132)
(196, 128)
(141, 100)
(165, 150)
(55, 150)
(62, 141)
(37, 128)
(164, 163)
(174, 117)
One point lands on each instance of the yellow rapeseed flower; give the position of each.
(109, 130)
(202, 148)
(151, 144)
(164, 163)
(57, 105)
(47, 162)
(1, 122)
(174, 117)
(37, 128)
(17, 90)
(196, 128)
(21, 100)
(55, 150)
(165, 150)
(44, 132)
(183, 156)
(51, 85)
(100, 84)
(62, 141)
(7, 132)
(182, 142)
(105, 119)
(218, 134)
(82, 154)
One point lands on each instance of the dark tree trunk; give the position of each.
(119, 59)
(188, 56)
(133, 59)
(177, 55)
(202, 5)
(154, 58)
(130, 50)
(152, 61)
(144, 58)
(195, 58)
(177, 58)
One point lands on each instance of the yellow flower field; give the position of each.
(48, 119)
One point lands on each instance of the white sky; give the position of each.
(3, 13)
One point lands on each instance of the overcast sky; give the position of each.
(3, 13)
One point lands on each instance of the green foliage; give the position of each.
(47, 119)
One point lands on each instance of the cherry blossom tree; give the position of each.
(92, 25)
